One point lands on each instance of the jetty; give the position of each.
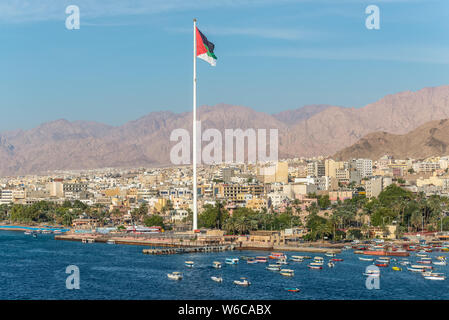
(202, 249)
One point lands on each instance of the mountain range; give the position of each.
(308, 131)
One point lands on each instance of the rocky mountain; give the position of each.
(430, 139)
(316, 130)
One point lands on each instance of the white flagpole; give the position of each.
(195, 190)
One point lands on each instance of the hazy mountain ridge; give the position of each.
(317, 130)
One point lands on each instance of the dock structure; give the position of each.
(201, 249)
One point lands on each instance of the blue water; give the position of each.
(34, 228)
(34, 268)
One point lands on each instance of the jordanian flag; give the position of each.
(205, 49)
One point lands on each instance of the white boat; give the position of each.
(216, 265)
(372, 274)
(316, 263)
(317, 259)
(366, 259)
(439, 263)
(274, 267)
(91, 240)
(331, 264)
(110, 241)
(174, 276)
(330, 254)
(28, 233)
(435, 277)
(287, 272)
(296, 259)
(415, 269)
(421, 255)
(243, 282)
(282, 261)
(217, 279)
(421, 266)
(189, 264)
(232, 261)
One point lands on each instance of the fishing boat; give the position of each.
(366, 259)
(292, 289)
(417, 266)
(261, 259)
(296, 259)
(287, 272)
(217, 279)
(216, 265)
(242, 282)
(232, 261)
(382, 264)
(189, 264)
(274, 267)
(434, 277)
(277, 255)
(251, 261)
(315, 267)
(174, 276)
(396, 269)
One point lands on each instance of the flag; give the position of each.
(205, 49)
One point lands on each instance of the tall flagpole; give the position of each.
(195, 190)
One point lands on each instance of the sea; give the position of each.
(36, 269)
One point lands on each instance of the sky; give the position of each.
(133, 57)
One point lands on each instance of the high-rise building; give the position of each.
(365, 167)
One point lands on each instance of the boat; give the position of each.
(91, 240)
(261, 259)
(28, 233)
(245, 258)
(216, 265)
(277, 255)
(292, 289)
(382, 264)
(174, 276)
(243, 282)
(315, 264)
(366, 259)
(274, 267)
(84, 241)
(306, 257)
(441, 258)
(435, 277)
(296, 259)
(232, 261)
(414, 269)
(318, 259)
(404, 263)
(314, 267)
(287, 272)
(331, 264)
(397, 253)
(417, 266)
(439, 263)
(372, 274)
(421, 255)
(217, 279)
(282, 261)
(189, 264)
(424, 262)
(334, 260)
(110, 241)
(330, 254)
(251, 261)
(396, 269)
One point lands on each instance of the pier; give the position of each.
(202, 249)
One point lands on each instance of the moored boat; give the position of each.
(261, 259)
(315, 267)
(366, 259)
(292, 289)
(287, 272)
(175, 275)
(216, 265)
(232, 261)
(217, 279)
(189, 264)
(243, 282)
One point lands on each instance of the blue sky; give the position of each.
(131, 57)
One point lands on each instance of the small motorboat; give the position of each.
(424, 262)
(110, 241)
(277, 255)
(282, 261)
(315, 267)
(261, 259)
(287, 272)
(274, 267)
(331, 264)
(292, 289)
(382, 264)
(296, 259)
(251, 261)
(189, 264)
(28, 233)
(330, 254)
(175, 276)
(439, 263)
(366, 259)
(417, 266)
(316, 264)
(335, 259)
(216, 265)
(245, 258)
(396, 269)
(415, 269)
(232, 261)
(435, 277)
(242, 282)
(217, 279)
